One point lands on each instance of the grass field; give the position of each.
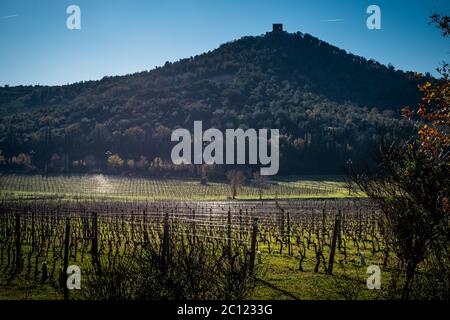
(101, 187)
(279, 275)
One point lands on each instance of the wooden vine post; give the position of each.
(289, 233)
(66, 259)
(165, 244)
(18, 243)
(324, 218)
(229, 234)
(253, 245)
(94, 249)
(336, 230)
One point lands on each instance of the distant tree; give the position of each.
(101, 138)
(115, 161)
(235, 178)
(261, 183)
(442, 22)
(204, 174)
(22, 160)
(55, 157)
(55, 161)
(130, 164)
(134, 140)
(90, 161)
(156, 165)
(142, 163)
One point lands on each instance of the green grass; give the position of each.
(288, 282)
(25, 289)
(281, 281)
(280, 275)
(114, 188)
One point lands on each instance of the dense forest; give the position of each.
(330, 106)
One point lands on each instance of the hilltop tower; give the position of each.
(277, 27)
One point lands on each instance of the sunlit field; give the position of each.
(103, 187)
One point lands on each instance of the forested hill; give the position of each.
(328, 104)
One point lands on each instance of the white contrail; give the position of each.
(332, 20)
(10, 16)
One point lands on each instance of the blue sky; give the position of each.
(126, 36)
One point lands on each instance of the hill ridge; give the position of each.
(327, 103)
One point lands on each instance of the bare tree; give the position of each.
(235, 178)
(204, 174)
(261, 183)
(412, 191)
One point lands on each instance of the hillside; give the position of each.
(328, 104)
